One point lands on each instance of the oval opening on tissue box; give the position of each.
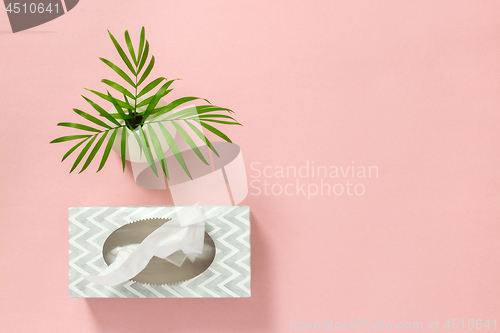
(158, 271)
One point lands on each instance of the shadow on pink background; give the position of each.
(410, 87)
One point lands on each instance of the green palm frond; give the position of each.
(137, 110)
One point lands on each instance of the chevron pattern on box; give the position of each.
(228, 276)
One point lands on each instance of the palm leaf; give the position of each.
(144, 57)
(157, 109)
(130, 47)
(118, 87)
(138, 139)
(189, 141)
(91, 118)
(221, 122)
(134, 109)
(215, 131)
(105, 97)
(184, 113)
(94, 151)
(117, 106)
(215, 116)
(122, 53)
(147, 71)
(141, 45)
(73, 149)
(158, 150)
(213, 108)
(161, 92)
(119, 71)
(145, 101)
(69, 138)
(123, 150)
(80, 127)
(202, 136)
(172, 105)
(148, 100)
(119, 116)
(107, 150)
(150, 86)
(83, 152)
(102, 112)
(196, 112)
(175, 149)
(147, 151)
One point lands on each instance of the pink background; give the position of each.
(409, 86)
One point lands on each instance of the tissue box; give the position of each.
(227, 276)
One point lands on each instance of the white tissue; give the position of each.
(181, 237)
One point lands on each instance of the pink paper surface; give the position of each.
(411, 87)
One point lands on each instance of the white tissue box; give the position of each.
(228, 275)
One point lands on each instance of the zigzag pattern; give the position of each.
(228, 276)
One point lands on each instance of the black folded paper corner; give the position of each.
(26, 15)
